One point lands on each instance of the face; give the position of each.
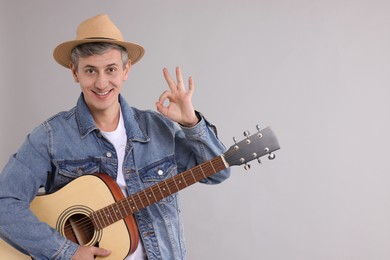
(101, 78)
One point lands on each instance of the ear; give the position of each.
(126, 70)
(74, 72)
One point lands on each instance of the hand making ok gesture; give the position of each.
(179, 108)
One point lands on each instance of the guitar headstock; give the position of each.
(263, 142)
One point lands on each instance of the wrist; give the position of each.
(194, 122)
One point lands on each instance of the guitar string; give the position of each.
(86, 224)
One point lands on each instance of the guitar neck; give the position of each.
(123, 208)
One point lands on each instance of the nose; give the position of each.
(101, 81)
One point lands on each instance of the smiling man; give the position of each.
(102, 133)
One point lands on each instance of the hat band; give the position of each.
(100, 38)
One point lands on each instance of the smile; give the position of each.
(102, 93)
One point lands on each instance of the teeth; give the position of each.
(102, 93)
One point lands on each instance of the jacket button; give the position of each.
(109, 155)
(160, 172)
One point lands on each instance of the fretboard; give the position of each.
(123, 208)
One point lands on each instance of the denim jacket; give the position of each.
(69, 145)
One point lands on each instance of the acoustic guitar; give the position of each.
(92, 211)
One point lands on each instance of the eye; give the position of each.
(89, 71)
(111, 69)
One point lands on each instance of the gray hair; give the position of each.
(96, 48)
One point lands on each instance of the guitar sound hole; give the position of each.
(79, 229)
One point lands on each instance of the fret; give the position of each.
(204, 175)
(143, 206)
(115, 212)
(192, 174)
(133, 207)
(176, 183)
(100, 218)
(118, 210)
(154, 196)
(150, 195)
(162, 194)
(174, 186)
(212, 166)
(105, 217)
(184, 179)
(164, 190)
(181, 181)
(110, 215)
(165, 181)
(147, 197)
(114, 215)
(124, 208)
(95, 221)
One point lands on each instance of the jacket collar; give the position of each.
(86, 124)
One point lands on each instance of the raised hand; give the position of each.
(179, 106)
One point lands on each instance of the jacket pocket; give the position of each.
(158, 171)
(69, 170)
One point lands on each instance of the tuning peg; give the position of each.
(271, 156)
(234, 140)
(246, 133)
(247, 167)
(259, 134)
(259, 161)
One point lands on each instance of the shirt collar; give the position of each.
(86, 124)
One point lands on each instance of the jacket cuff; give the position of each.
(67, 251)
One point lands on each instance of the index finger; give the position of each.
(172, 85)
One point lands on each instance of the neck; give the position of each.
(107, 121)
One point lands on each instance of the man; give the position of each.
(104, 134)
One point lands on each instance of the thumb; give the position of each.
(101, 251)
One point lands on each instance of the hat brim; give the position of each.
(63, 51)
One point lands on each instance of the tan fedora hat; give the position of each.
(97, 29)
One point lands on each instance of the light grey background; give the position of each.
(316, 71)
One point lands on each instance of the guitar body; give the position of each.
(76, 200)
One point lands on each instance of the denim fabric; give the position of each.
(69, 145)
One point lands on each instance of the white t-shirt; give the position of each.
(119, 139)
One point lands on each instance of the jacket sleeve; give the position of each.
(20, 181)
(198, 144)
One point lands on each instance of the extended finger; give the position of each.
(179, 78)
(191, 86)
(171, 84)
